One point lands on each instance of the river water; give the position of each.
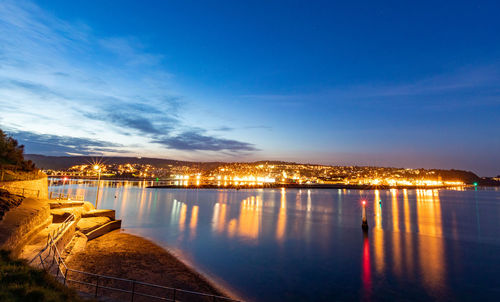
(307, 245)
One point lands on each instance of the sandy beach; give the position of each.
(127, 256)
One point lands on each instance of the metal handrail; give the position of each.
(56, 258)
(62, 196)
(55, 233)
(50, 237)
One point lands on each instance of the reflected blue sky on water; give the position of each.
(295, 244)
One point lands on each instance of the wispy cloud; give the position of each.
(228, 129)
(61, 145)
(59, 80)
(197, 141)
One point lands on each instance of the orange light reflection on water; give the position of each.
(182, 217)
(431, 254)
(378, 235)
(281, 224)
(250, 218)
(396, 234)
(194, 220)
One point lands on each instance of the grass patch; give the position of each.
(20, 282)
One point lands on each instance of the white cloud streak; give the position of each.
(60, 78)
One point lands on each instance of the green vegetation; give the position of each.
(20, 282)
(12, 154)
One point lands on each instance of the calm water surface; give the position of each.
(297, 245)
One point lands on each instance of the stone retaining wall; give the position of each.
(37, 188)
(20, 224)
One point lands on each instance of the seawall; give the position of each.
(36, 188)
(19, 225)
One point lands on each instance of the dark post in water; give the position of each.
(364, 224)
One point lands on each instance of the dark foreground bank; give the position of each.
(20, 282)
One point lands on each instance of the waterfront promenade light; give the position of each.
(97, 168)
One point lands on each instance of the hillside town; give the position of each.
(258, 173)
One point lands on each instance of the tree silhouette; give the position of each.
(12, 154)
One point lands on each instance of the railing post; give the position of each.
(58, 266)
(49, 252)
(65, 276)
(96, 286)
(213, 298)
(41, 261)
(174, 295)
(53, 258)
(133, 290)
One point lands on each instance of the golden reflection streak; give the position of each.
(308, 223)
(222, 218)
(378, 236)
(431, 253)
(175, 212)
(395, 210)
(378, 210)
(408, 239)
(182, 218)
(406, 210)
(396, 234)
(124, 199)
(378, 241)
(249, 220)
(215, 217)
(141, 204)
(219, 212)
(281, 225)
(194, 220)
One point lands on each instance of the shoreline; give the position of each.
(214, 281)
(125, 255)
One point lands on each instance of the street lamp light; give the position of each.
(98, 169)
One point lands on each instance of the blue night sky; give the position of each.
(405, 84)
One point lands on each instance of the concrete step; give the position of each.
(60, 214)
(39, 241)
(108, 227)
(65, 204)
(58, 204)
(76, 245)
(100, 213)
(87, 225)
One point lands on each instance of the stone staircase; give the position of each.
(82, 222)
